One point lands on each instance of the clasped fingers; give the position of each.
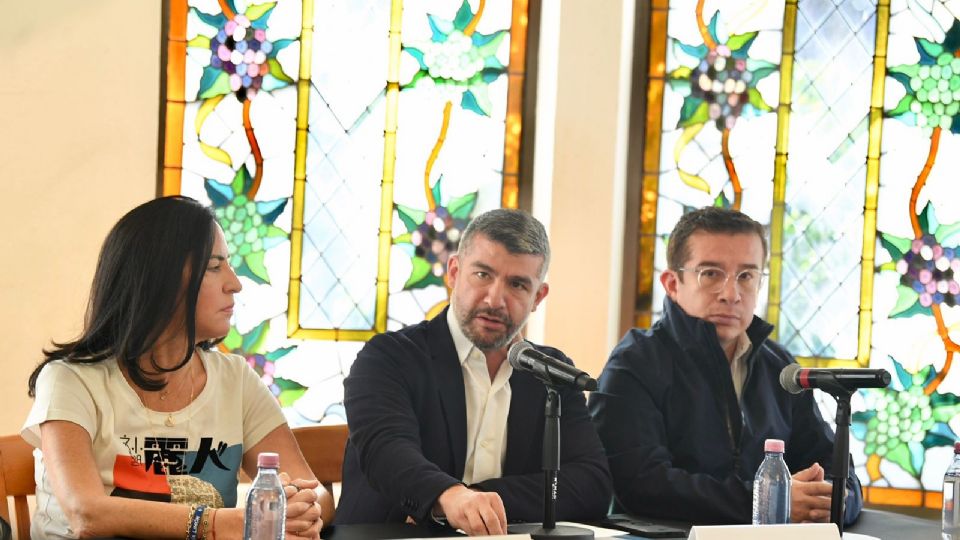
(302, 503)
(295, 494)
(303, 520)
(301, 490)
(810, 501)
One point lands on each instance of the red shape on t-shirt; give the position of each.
(128, 474)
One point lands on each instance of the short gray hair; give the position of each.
(515, 230)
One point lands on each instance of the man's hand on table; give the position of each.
(473, 512)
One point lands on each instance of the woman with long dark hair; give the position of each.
(142, 423)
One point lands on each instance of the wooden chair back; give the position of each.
(322, 447)
(16, 480)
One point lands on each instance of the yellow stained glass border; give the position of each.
(516, 74)
(294, 297)
(650, 182)
(294, 329)
(903, 497)
(175, 69)
(871, 195)
(780, 162)
(872, 190)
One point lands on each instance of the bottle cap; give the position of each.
(771, 445)
(272, 460)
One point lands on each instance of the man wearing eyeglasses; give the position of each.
(683, 408)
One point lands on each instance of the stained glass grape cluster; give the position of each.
(455, 59)
(244, 228)
(242, 52)
(722, 82)
(265, 368)
(459, 61)
(901, 417)
(437, 238)
(931, 270)
(937, 89)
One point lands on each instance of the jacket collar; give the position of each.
(698, 338)
(527, 394)
(694, 333)
(446, 363)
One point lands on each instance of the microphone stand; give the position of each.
(551, 466)
(841, 452)
(841, 460)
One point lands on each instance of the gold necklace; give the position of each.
(166, 391)
(169, 421)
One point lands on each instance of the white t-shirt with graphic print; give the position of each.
(138, 456)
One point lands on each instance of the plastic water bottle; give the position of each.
(771, 487)
(951, 495)
(266, 510)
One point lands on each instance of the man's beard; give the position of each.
(488, 342)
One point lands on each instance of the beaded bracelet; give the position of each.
(193, 525)
(204, 527)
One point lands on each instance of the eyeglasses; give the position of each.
(712, 279)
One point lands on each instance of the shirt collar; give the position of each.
(463, 344)
(743, 348)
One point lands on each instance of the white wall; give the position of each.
(588, 177)
(74, 155)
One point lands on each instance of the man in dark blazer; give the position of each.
(443, 428)
(684, 408)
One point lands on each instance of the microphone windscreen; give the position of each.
(517, 349)
(788, 379)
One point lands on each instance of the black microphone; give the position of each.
(795, 379)
(548, 369)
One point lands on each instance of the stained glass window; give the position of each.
(344, 146)
(832, 123)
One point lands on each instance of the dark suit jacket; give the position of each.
(406, 411)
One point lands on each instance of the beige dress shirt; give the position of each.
(738, 367)
(488, 406)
